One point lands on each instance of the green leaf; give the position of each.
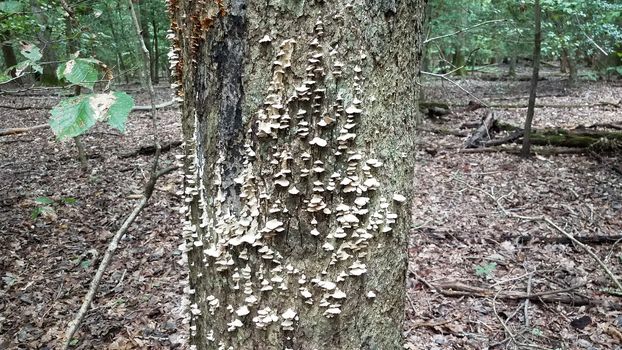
(85, 264)
(72, 117)
(10, 6)
(31, 52)
(120, 110)
(79, 71)
(37, 67)
(44, 200)
(75, 115)
(21, 67)
(4, 77)
(35, 213)
(69, 200)
(485, 270)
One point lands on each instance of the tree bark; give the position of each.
(8, 53)
(155, 61)
(295, 231)
(46, 44)
(537, 41)
(144, 31)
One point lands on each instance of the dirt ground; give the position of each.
(471, 258)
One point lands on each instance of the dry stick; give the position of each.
(527, 300)
(587, 250)
(444, 77)
(463, 30)
(148, 191)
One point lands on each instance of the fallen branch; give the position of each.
(14, 131)
(112, 247)
(158, 106)
(589, 240)
(459, 289)
(587, 249)
(556, 105)
(148, 189)
(482, 134)
(151, 149)
(516, 150)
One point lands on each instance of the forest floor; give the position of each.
(463, 243)
(472, 258)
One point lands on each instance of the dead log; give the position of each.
(558, 105)
(482, 134)
(602, 140)
(549, 151)
(589, 240)
(14, 131)
(151, 149)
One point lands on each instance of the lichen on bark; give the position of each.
(298, 118)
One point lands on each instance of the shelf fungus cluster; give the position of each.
(301, 163)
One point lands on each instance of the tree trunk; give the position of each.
(299, 129)
(537, 42)
(121, 68)
(47, 46)
(8, 53)
(144, 31)
(572, 69)
(458, 61)
(512, 68)
(155, 58)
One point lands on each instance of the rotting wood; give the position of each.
(603, 140)
(459, 289)
(590, 240)
(151, 149)
(482, 133)
(14, 131)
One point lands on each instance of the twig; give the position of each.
(462, 30)
(556, 227)
(527, 300)
(444, 77)
(148, 191)
(587, 250)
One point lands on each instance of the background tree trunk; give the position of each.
(537, 42)
(295, 231)
(144, 31)
(8, 53)
(48, 49)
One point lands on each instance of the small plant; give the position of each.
(485, 270)
(45, 206)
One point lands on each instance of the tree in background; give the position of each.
(577, 32)
(93, 28)
(298, 121)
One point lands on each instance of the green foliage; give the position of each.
(79, 71)
(74, 116)
(11, 7)
(45, 206)
(104, 30)
(579, 28)
(485, 270)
